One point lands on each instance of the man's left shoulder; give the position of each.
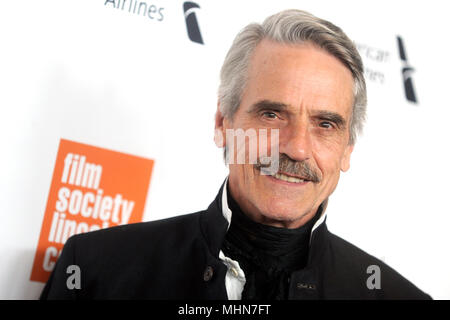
(372, 274)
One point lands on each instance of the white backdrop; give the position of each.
(86, 71)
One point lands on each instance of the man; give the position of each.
(300, 79)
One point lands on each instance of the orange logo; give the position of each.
(92, 188)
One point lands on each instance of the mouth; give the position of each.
(288, 178)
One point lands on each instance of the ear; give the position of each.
(345, 161)
(219, 128)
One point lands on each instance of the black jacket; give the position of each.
(177, 258)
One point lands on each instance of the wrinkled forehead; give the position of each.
(301, 76)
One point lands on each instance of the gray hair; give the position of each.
(291, 27)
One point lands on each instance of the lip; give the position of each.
(287, 183)
(290, 175)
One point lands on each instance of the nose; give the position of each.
(295, 142)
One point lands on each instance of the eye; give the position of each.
(269, 115)
(326, 125)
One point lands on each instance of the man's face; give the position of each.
(306, 94)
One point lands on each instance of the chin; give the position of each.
(284, 212)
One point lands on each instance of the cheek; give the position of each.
(245, 175)
(328, 159)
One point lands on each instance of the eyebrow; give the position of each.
(331, 116)
(267, 105)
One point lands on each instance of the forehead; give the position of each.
(302, 76)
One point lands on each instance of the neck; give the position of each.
(276, 247)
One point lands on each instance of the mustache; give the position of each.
(293, 167)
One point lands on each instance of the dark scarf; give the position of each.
(267, 255)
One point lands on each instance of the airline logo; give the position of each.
(92, 188)
(193, 29)
(407, 72)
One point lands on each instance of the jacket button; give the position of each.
(208, 274)
(306, 286)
